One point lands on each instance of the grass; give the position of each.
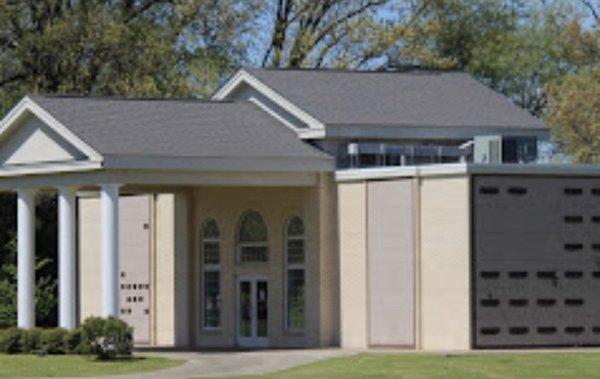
(15, 366)
(503, 365)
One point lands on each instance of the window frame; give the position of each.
(239, 245)
(211, 267)
(293, 266)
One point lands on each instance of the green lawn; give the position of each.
(14, 366)
(513, 365)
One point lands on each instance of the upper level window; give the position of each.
(295, 274)
(252, 238)
(211, 275)
(210, 243)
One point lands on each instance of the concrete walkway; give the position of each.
(212, 364)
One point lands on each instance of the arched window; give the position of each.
(252, 238)
(295, 276)
(211, 275)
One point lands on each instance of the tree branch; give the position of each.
(12, 79)
(591, 7)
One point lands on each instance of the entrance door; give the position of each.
(253, 313)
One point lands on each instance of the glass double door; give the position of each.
(253, 313)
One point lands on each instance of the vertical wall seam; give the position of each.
(367, 269)
(417, 269)
(153, 285)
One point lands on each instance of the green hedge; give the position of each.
(105, 338)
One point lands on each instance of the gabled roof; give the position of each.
(413, 98)
(175, 127)
(188, 131)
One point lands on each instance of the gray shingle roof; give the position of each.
(414, 98)
(176, 128)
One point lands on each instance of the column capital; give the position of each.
(110, 185)
(26, 191)
(66, 188)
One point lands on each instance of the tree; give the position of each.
(120, 48)
(513, 46)
(594, 9)
(574, 114)
(307, 33)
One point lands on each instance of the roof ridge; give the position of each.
(123, 98)
(401, 70)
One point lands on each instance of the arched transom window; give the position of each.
(295, 274)
(211, 275)
(252, 238)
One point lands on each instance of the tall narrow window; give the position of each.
(211, 275)
(252, 238)
(295, 274)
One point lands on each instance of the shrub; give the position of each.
(52, 340)
(106, 338)
(32, 340)
(72, 342)
(11, 341)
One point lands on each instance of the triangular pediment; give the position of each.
(31, 141)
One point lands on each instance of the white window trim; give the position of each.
(293, 266)
(209, 268)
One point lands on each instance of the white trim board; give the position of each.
(454, 169)
(48, 168)
(152, 178)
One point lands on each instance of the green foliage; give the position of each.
(72, 342)
(8, 295)
(574, 114)
(46, 299)
(512, 46)
(106, 338)
(52, 340)
(11, 340)
(125, 48)
(32, 340)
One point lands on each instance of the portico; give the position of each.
(75, 148)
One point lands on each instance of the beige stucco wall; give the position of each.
(444, 285)
(90, 299)
(169, 271)
(171, 284)
(439, 280)
(352, 218)
(390, 263)
(326, 206)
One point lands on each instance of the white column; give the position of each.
(109, 199)
(67, 269)
(26, 258)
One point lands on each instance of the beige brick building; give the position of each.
(308, 208)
